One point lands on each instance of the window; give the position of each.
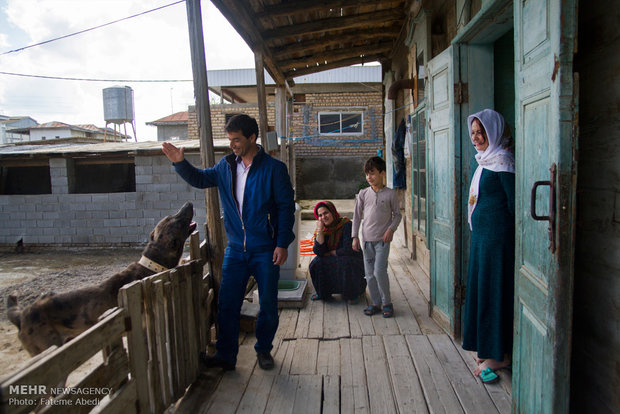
(114, 175)
(418, 170)
(341, 123)
(25, 179)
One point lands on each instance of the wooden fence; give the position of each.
(166, 320)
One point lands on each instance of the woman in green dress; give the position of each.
(490, 283)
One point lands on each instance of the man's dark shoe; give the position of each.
(265, 360)
(216, 362)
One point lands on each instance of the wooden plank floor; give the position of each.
(331, 358)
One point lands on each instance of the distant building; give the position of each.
(171, 127)
(15, 128)
(58, 130)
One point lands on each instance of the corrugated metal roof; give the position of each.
(65, 148)
(50, 125)
(350, 74)
(235, 77)
(247, 77)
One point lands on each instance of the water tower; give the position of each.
(118, 109)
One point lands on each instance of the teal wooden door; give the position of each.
(443, 172)
(545, 115)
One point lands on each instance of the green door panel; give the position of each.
(544, 45)
(443, 180)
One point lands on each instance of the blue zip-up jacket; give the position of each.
(268, 203)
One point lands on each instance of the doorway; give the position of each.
(474, 73)
(488, 65)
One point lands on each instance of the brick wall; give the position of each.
(218, 117)
(192, 123)
(305, 124)
(118, 219)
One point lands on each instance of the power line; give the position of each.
(89, 29)
(93, 79)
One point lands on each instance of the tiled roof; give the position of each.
(90, 127)
(53, 124)
(176, 118)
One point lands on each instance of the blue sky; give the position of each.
(151, 46)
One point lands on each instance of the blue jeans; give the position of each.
(237, 268)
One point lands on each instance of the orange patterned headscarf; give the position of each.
(333, 232)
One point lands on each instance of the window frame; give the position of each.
(341, 113)
(15, 185)
(77, 179)
(420, 226)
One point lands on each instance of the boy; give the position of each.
(378, 206)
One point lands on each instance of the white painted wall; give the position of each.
(37, 134)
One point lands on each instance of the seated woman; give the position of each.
(337, 268)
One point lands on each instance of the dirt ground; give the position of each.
(39, 271)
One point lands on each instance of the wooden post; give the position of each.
(131, 298)
(262, 96)
(215, 234)
(281, 121)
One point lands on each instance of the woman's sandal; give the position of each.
(488, 376)
(371, 310)
(315, 297)
(388, 311)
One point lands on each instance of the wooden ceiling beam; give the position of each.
(243, 21)
(336, 23)
(333, 65)
(318, 45)
(305, 7)
(381, 48)
(233, 96)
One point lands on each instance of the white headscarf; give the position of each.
(494, 158)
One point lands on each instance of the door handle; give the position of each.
(551, 217)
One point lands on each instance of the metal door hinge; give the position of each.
(461, 94)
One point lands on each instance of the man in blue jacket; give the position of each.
(257, 198)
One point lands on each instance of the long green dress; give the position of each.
(490, 283)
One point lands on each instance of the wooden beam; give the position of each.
(262, 96)
(215, 234)
(334, 64)
(244, 22)
(335, 23)
(280, 106)
(233, 96)
(305, 7)
(317, 45)
(337, 54)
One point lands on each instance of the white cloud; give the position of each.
(151, 46)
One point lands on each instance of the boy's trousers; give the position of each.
(375, 268)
